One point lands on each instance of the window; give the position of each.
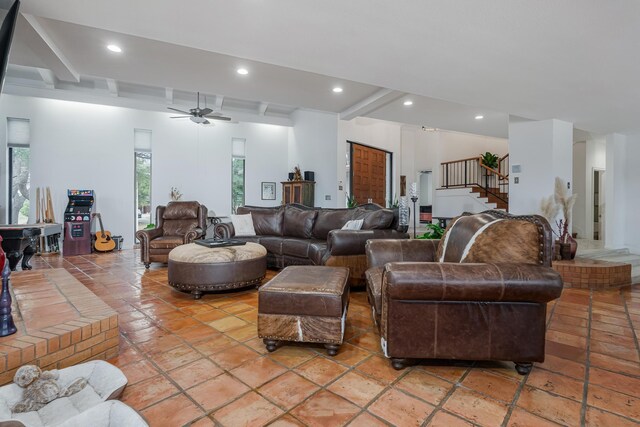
(18, 139)
(237, 173)
(142, 158)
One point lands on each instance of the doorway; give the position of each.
(426, 183)
(370, 174)
(598, 204)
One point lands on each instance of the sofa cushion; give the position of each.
(166, 242)
(175, 227)
(181, 210)
(298, 247)
(378, 220)
(486, 238)
(298, 222)
(272, 244)
(266, 221)
(317, 250)
(243, 225)
(330, 219)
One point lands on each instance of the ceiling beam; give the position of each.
(370, 104)
(113, 87)
(262, 108)
(168, 94)
(219, 101)
(49, 79)
(60, 65)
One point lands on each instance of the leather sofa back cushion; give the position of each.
(178, 227)
(266, 221)
(328, 220)
(488, 239)
(298, 222)
(377, 220)
(181, 210)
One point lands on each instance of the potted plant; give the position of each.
(490, 160)
(566, 246)
(351, 201)
(434, 231)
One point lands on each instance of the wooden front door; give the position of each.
(369, 174)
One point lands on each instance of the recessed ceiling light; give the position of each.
(407, 103)
(243, 71)
(337, 89)
(479, 117)
(114, 48)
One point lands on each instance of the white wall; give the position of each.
(579, 179)
(632, 193)
(454, 201)
(620, 162)
(88, 146)
(313, 147)
(374, 133)
(543, 149)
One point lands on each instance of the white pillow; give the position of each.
(354, 224)
(243, 225)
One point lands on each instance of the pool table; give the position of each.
(19, 241)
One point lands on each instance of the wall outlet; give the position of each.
(327, 197)
(516, 180)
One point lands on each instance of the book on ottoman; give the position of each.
(219, 243)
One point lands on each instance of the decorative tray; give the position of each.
(218, 243)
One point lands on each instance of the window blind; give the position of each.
(142, 140)
(238, 147)
(18, 132)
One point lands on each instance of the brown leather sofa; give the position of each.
(299, 235)
(480, 293)
(176, 224)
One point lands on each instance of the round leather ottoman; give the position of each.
(196, 269)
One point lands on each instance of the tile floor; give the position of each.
(200, 363)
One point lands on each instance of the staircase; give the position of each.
(472, 173)
(614, 255)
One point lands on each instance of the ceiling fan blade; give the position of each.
(206, 111)
(226, 119)
(179, 117)
(206, 122)
(179, 111)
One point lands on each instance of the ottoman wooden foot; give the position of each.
(271, 344)
(332, 349)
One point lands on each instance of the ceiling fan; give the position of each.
(200, 116)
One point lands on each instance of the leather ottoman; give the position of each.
(304, 304)
(196, 269)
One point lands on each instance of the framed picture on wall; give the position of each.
(268, 191)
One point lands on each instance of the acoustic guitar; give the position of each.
(104, 242)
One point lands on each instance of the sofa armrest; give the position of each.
(352, 242)
(193, 234)
(424, 281)
(145, 236)
(224, 230)
(380, 252)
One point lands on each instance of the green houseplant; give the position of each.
(434, 231)
(490, 160)
(351, 201)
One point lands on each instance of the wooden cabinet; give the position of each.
(298, 192)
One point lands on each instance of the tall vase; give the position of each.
(7, 327)
(403, 215)
(573, 244)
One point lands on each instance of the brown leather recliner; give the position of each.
(479, 293)
(176, 224)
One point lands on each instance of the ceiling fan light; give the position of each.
(197, 119)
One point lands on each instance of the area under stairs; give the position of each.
(615, 255)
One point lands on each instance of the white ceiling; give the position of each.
(574, 60)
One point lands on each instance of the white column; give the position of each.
(543, 150)
(615, 190)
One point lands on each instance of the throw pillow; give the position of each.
(243, 225)
(354, 224)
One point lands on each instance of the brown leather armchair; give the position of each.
(479, 293)
(177, 223)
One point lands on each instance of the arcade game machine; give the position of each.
(77, 223)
